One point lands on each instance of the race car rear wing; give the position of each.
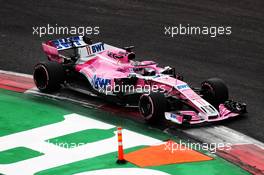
(52, 47)
(53, 53)
(85, 47)
(67, 43)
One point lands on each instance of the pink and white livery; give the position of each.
(112, 73)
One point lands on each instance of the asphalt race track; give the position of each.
(237, 58)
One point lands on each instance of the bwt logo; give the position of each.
(100, 82)
(97, 47)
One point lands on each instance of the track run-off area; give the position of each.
(62, 135)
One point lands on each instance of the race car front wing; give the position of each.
(226, 110)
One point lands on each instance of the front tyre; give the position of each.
(152, 107)
(48, 76)
(214, 91)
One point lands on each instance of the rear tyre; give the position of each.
(152, 106)
(48, 76)
(214, 91)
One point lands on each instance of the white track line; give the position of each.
(221, 134)
(213, 134)
(34, 91)
(15, 73)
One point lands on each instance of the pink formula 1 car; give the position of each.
(112, 73)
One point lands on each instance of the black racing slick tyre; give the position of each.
(214, 91)
(152, 107)
(48, 76)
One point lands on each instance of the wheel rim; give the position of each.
(41, 77)
(146, 106)
(208, 91)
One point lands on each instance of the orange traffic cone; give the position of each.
(120, 159)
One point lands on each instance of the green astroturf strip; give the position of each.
(21, 112)
(82, 137)
(17, 154)
(18, 113)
